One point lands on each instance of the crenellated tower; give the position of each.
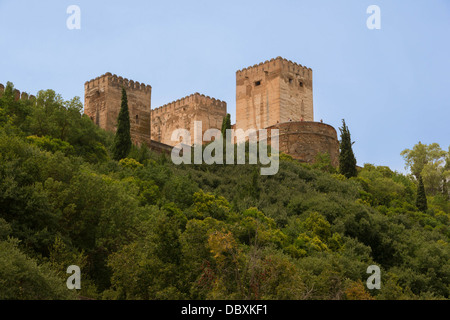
(102, 101)
(183, 112)
(273, 92)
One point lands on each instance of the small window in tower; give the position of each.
(137, 119)
(301, 84)
(257, 83)
(290, 80)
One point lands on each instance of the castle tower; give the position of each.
(272, 92)
(182, 113)
(102, 100)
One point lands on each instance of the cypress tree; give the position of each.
(445, 188)
(444, 178)
(122, 140)
(226, 124)
(254, 189)
(421, 200)
(347, 160)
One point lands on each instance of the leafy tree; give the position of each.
(428, 161)
(253, 189)
(207, 205)
(379, 183)
(421, 200)
(52, 144)
(357, 291)
(22, 277)
(196, 257)
(14, 111)
(447, 160)
(52, 120)
(323, 163)
(149, 268)
(122, 140)
(446, 177)
(347, 160)
(421, 155)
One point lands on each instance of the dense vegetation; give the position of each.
(144, 228)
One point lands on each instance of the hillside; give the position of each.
(144, 228)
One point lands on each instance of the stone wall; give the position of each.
(102, 101)
(303, 140)
(17, 94)
(272, 92)
(182, 113)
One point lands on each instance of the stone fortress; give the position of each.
(276, 94)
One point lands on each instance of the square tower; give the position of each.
(182, 113)
(273, 92)
(103, 98)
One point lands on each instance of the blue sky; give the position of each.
(390, 85)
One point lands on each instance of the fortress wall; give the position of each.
(303, 140)
(103, 98)
(182, 113)
(17, 94)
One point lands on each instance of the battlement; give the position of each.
(275, 64)
(195, 98)
(117, 81)
(17, 94)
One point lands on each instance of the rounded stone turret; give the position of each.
(304, 140)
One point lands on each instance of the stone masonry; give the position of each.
(304, 140)
(182, 113)
(276, 94)
(102, 100)
(272, 92)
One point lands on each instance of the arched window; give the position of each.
(137, 119)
